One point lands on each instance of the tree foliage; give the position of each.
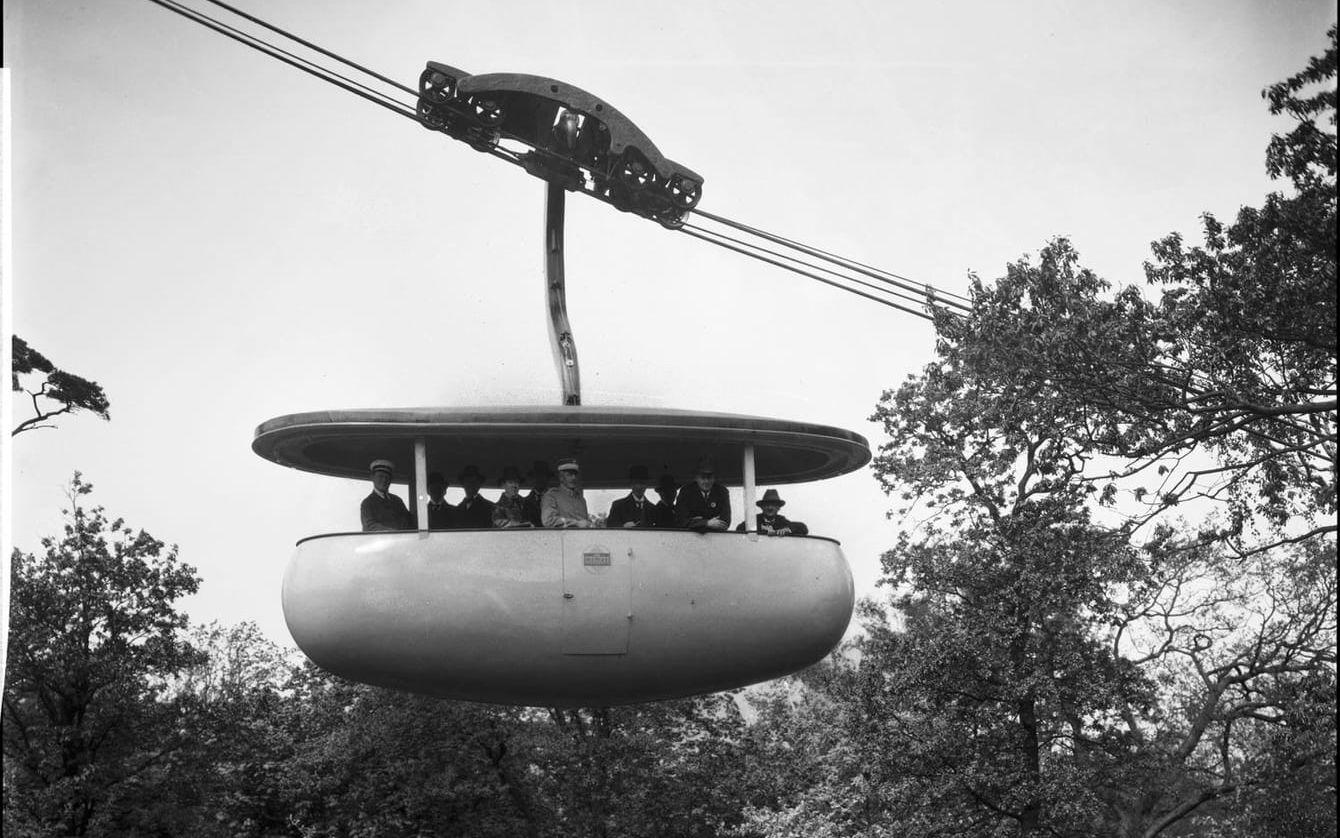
(70, 392)
(95, 640)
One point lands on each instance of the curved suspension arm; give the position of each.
(560, 330)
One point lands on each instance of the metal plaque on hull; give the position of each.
(597, 599)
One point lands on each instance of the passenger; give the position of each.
(664, 510)
(634, 510)
(441, 515)
(476, 511)
(704, 504)
(510, 511)
(540, 478)
(382, 510)
(769, 522)
(563, 506)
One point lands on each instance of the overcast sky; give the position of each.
(218, 239)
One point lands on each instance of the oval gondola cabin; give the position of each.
(564, 617)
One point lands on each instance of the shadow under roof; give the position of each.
(604, 440)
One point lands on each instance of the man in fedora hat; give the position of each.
(510, 511)
(704, 504)
(476, 511)
(441, 515)
(382, 510)
(541, 476)
(563, 506)
(635, 510)
(770, 522)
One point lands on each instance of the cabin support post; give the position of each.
(420, 486)
(749, 489)
(560, 330)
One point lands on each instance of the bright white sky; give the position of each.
(218, 239)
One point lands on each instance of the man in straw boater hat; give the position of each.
(770, 521)
(382, 510)
(704, 504)
(636, 510)
(563, 506)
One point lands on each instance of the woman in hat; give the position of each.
(770, 521)
(509, 510)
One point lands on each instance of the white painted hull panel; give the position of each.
(566, 617)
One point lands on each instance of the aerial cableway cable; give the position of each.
(894, 285)
(725, 241)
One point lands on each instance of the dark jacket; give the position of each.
(777, 523)
(530, 505)
(664, 514)
(443, 517)
(626, 509)
(475, 514)
(690, 504)
(388, 513)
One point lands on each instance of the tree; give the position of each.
(1223, 387)
(72, 392)
(90, 726)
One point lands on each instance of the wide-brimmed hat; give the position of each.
(470, 471)
(568, 464)
(770, 496)
(382, 465)
(510, 473)
(638, 473)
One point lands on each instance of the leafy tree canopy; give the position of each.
(69, 392)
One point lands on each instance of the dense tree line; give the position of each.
(1112, 609)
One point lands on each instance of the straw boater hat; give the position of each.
(770, 496)
(382, 465)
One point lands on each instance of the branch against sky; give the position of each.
(57, 393)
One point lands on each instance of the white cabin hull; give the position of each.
(566, 617)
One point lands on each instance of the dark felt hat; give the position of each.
(638, 473)
(540, 468)
(510, 473)
(667, 482)
(436, 477)
(770, 496)
(706, 466)
(470, 471)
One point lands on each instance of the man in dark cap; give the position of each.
(664, 510)
(382, 510)
(770, 522)
(441, 515)
(704, 504)
(509, 510)
(540, 478)
(635, 510)
(563, 506)
(476, 511)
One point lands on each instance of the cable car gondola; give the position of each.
(568, 617)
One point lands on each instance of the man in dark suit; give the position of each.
(441, 515)
(476, 511)
(664, 510)
(704, 504)
(382, 510)
(541, 477)
(770, 521)
(635, 510)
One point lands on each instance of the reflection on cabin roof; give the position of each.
(605, 440)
